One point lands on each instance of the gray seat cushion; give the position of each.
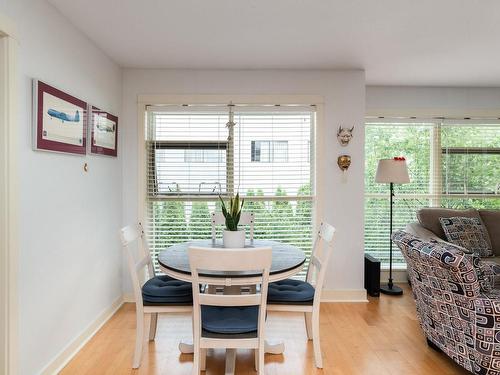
(290, 291)
(495, 259)
(165, 290)
(229, 320)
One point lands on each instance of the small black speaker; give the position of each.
(372, 275)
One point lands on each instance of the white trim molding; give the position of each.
(225, 99)
(343, 295)
(67, 354)
(8, 199)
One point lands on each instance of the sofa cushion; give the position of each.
(467, 232)
(419, 231)
(491, 219)
(429, 218)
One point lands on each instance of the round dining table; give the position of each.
(287, 260)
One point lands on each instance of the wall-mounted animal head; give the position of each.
(344, 135)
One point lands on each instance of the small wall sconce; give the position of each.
(344, 162)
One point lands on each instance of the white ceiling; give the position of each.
(397, 42)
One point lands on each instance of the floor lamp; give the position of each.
(392, 171)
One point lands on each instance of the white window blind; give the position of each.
(451, 163)
(192, 157)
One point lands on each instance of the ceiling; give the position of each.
(397, 42)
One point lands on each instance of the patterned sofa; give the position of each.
(458, 309)
(429, 227)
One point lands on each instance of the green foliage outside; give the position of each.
(200, 225)
(460, 173)
(278, 219)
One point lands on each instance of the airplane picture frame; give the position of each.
(103, 132)
(59, 120)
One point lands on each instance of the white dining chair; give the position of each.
(305, 296)
(246, 218)
(159, 294)
(230, 321)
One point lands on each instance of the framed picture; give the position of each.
(59, 120)
(104, 133)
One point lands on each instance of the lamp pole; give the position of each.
(390, 288)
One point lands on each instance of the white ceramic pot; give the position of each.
(233, 239)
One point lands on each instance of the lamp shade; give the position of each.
(392, 170)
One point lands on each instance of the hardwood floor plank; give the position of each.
(379, 337)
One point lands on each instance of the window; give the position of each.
(203, 155)
(270, 151)
(192, 157)
(451, 163)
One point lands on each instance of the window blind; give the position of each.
(451, 164)
(192, 157)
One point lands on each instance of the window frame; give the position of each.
(270, 148)
(437, 151)
(317, 132)
(153, 146)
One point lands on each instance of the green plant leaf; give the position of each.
(230, 224)
(223, 207)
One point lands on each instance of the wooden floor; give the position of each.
(379, 337)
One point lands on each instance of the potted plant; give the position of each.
(233, 237)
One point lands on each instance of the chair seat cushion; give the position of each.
(290, 291)
(166, 290)
(229, 320)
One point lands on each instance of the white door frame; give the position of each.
(8, 199)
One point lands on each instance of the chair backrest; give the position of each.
(230, 260)
(322, 250)
(246, 218)
(131, 236)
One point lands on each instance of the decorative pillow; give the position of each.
(468, 232)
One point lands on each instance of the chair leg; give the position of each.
(308, 320)
(152, 326)
(196, 359)
(203, 359)
(139, 336)
(260, 368)
(256, 359)
(316, 342)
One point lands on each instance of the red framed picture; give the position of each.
(59, 120)
(104, 133)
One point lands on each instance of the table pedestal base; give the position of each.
(270, 347)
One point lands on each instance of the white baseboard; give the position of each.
(62, 359)
(128, 297)
(347, 295)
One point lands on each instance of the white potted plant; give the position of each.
(233, 237)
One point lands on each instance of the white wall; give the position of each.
(343, 93)
(432, 101)
(70, 257)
